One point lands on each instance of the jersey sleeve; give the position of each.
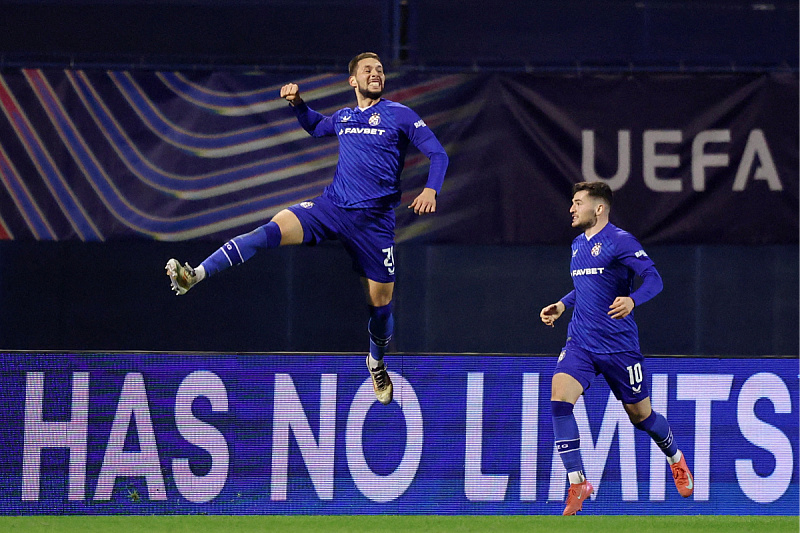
(316, 124)
(651, 285)
(569, 299)
(632, 255)
(423, 138)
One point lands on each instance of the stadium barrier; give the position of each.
(301, 433)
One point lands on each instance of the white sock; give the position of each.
(200, 272)
(675, 458)
(576, 477)
(374, 363)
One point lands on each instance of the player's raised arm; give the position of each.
(316, 124)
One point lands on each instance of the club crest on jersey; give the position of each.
(306, 205)
(375, 119)
(596, 249)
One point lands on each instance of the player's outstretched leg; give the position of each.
(684, 481)
(578, 493)
(182, 278)
(234, 252)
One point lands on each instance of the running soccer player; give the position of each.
(357, 208)
(602, 337)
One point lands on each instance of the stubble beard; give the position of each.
(586, 224)
(366, 93)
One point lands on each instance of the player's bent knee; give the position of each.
(638, 412)
(565, 388)
(379, 294)
(290, 226)
(380, 301)
(637, 417)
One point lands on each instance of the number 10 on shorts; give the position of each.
(635, 373)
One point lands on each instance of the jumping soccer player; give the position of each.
(357, 208)
(602, 337)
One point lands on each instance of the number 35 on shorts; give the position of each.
(388, 262)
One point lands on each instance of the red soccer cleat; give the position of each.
(578, 492)
(684, 481)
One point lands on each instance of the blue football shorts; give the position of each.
(623, 371)
(366, 233)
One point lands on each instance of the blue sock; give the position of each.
(567, 437)
(241, 248)
(381, 327)
(658, 428)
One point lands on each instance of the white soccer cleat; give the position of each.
(182, 278)
(381, 383)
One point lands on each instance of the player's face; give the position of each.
(369, 78)
(584, 210)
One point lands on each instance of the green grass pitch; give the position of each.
(400, 524)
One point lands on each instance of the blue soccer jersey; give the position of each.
(372, 151)
(603, 268)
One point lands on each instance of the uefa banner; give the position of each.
(693, 158)
(178, 433)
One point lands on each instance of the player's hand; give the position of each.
(621, 307)
(425, 202)
(291, 93)
(551, 313)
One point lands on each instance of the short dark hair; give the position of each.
(596, 189)
(353, 66)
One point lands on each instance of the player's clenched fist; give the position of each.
(291, 93)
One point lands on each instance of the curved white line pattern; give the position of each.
(243, 103)
(210, 145)
(51, 173)
(168, 157)
(29, 210)
(198, 186)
